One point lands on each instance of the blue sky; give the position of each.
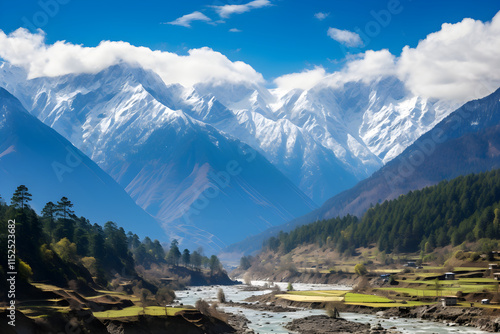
(274, 39)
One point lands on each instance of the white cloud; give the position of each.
(345, 37)
(459, 62)
(186, 20)
(303, 80)
(227, 10)
(366, 67)
(234, 30)
(321, 16)
(28, 50)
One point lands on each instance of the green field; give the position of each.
(136, 310)
(333, 296)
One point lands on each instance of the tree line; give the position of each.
(465, 209)
(58, 246)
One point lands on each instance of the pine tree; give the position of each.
(214, 264)
(174, 253)
(196, 259)
(21, 197)
(64, 207)
(186, 257)
(49, 212)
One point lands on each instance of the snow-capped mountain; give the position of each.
(35, 155)
(197, 181)
(162, 142)
(466, 141)
(327, 138)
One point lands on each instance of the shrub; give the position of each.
(65, 249)
(474, 256)
(25, 271)
(459, 255)
(360, 269)
(144, 296)
(202, 306)
(332, 310)
(47, 253)
(290, 287)
(221, 296)
(165, 296)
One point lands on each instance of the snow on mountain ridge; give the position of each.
(324, 139)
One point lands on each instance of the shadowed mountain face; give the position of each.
(467, 141)
(33, 154)
(206, 188)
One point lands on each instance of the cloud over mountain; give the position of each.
(200, 65)
(457, 63)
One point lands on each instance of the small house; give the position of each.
(492, 266)
(449, 301)
(449, 276)
(497, 276)
(485, 301)
(411, 264)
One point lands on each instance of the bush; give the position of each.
(474, 256)
(360, 269)
(144, 296)
(221, 296)
(165, 296)
(202, 306)
(459, 255)
(65, 249)
(25, 271)
(332, 310)
(290, 287)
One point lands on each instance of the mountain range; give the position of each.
(172, 147)
(466, 141)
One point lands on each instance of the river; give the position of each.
(266, 322)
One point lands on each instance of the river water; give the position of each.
(265, 322)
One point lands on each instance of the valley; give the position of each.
(250, 167)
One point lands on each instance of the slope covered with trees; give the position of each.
(466, 208)
(59, 247)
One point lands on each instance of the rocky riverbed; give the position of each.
(322, 324)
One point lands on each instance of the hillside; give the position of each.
(33, 154)
(465, 209)
(468, 139)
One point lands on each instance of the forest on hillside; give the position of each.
(465, 209)
(58, 247)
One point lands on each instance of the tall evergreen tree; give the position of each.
(186, 257)
(174, 253)
(64, 207)
(196, 259)
(49, 212)
(21, 197)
